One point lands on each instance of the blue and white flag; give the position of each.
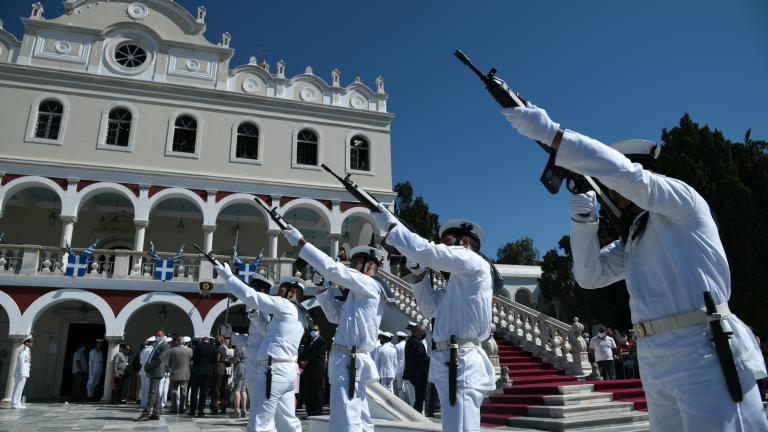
(77, 265)
(235, 257)
(164, 269)
(89, 250)
(247, 270)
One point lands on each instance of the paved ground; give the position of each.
(39, 417)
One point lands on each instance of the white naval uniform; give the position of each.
(462, 309)
(667, 268)
(143, 378)
(386, 364)
(95, 369)
(400, 348)
(20, 375)
(281, 342)
(358, 320)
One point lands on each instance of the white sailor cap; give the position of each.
(186, 339)
(287, 280)
(387, 334)
(260, 282)
(29, 338)
(640, 151)
(369, 251)
(401, 334)
(411, 325)
(151, 339)
(462, 227)
(168, 339)
(381, 332)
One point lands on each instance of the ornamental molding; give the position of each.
(62, 50)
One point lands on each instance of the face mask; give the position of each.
(602, 334)
(314, 333)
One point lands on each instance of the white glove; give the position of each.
(582, 207)
(532, 122)
(224, 271)
(415, 268)
(384, 219)
(292, 235)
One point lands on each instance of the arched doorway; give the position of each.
(31, 216)
(523, 296)
(237, 318)
(247, 223)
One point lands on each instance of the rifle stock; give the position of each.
(273, 214)
(208, 255)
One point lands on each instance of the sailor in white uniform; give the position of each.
(277, 353)
(143, 378)
(400, 347)
(358, 319)
(671, 256)
(21, 372)
(386, 361)
(257, 328)
(95, 368)
(462, 310)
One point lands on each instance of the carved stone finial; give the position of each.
(335, 77)
(225, 38)
(379, 84)
(281, 69)
(265, 66)
(253, 60)
(357, 79)
(201, 14)
(308, 70)
(37, 10)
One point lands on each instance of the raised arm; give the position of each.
(254, 299)
(356, 282)
(426, 297)
(435, 256)
(593, 267)
(331, 307)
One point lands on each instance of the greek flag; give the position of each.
(247, 270)
(164, 269)
(77, 265)
(235, 257)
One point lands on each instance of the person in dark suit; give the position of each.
(314, 361)
(180, 362)
(417, 365)
(204, 358)
(155, 369)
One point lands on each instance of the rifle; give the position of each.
(268, 373)
(553, 175)
(723, 348)
(209, 255)
(274, 215)
(352, 372)
(453, 370)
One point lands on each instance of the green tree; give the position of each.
(415, 212)
(520, 252)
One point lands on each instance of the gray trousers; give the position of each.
(178, 395)
(153, 400)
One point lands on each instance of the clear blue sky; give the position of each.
(613, 70)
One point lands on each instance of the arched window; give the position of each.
(247, 141)
(119, 127)
(49, 115)
(184, 134)
(306, 147)
(359, 153)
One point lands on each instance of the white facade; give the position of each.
(521, 283)
(122, 122)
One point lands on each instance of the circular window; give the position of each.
(130, 56)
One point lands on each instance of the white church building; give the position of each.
(122, 122)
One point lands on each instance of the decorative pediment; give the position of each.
(141, 9)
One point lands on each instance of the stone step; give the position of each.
(588, 409)
(576, 398)
(528, 365)
(588, 422)
(533, 372)
(550, 379)
(547, 389)
(633, 427)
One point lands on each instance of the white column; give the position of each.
(12, 367)
(67, 227)
(334, 239)
(109, 372)
(208, 231)
(273, 236)
(140, 227)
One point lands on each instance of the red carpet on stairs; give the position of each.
(531, 380)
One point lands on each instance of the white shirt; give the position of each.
(144, 358)
(603, 347)
(386, 360)
(461, 309)
(82, 358)
(283, 333)
(676, 259)
(23, 362)
(400, 347)
(358, 317)
(95, 361)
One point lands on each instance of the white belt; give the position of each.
(274, 360)
(347, 350)
(463, 343)
(652, 327)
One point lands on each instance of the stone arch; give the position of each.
(310, 204)
(46, 301)
(14, 315)
(312, 79)
(160, 297)
(180, 193)
(92, 190)
(214, 313)
(356, 211)
(21, 183)
(238, 198)
(524, 296)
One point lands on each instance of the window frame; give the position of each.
(295, 147)
(172, 130)
(348, 153)
(233, 141)
(33, 115)
(101, 142)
